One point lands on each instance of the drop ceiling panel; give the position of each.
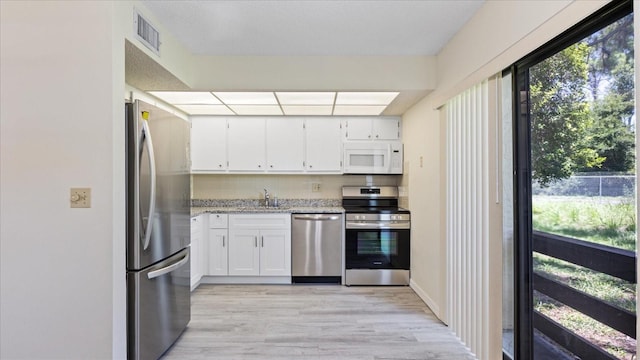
(247, 98)
(358, 109)
(256, 109)
(307, 109)
(306, 98)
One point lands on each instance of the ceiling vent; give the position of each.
(146, 33)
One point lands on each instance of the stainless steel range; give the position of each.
(377, 236)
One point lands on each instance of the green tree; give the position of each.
(560, 115)
(611, 78)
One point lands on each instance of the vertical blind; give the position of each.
(467, 214)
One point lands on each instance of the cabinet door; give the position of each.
(244, 252)
(275, 253)
(208, 143)
(386, 129)
(285, 144)
(323, 144)
(216, 254)
(246, 144)
(358, 128)
(196, 250)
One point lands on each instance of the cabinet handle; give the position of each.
(271, 166)
(259, 166)
(369, 136)
(262, 240)
(377, 136)
(255, 241)
(223, 240)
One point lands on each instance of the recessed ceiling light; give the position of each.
(306, 98)
(205, 109)
(247, 98)
(358, 109)
(365, 98)
(186, 97)
(256, 109)
(307, 109)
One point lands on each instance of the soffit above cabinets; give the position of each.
(279, 103)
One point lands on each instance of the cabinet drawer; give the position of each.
(260, 221)
(218, 221)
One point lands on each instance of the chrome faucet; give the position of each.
(266, 198)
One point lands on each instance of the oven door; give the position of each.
(377, 249)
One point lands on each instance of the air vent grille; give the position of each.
(146, 33)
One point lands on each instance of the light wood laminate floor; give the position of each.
(313, 322)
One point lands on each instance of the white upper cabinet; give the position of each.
(372, 128)
(285, 144)
(208, 143)
(246, 144)
(323, 145)
(281, 144)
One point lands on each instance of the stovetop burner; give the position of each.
(371, 200)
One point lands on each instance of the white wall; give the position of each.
(499, 34)
(61, 94)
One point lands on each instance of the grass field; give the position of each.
(608, 221)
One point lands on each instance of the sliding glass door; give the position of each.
(574, 248)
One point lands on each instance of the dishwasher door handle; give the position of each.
(316, 217)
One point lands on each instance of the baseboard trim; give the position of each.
(427, 300)
(245, 280)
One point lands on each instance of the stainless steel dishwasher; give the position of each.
(316, 248)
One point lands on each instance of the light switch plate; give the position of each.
(80, 197)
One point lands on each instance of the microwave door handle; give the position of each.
(146, 139)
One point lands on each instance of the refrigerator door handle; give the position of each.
(168, 269)
(146, 138)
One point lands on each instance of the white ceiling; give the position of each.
(304, 30)
(314, 27)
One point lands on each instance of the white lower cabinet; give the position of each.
(244, 253)
(260, 245)
(196, 250)
(217, 252)
(216, 246)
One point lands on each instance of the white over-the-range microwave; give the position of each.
(373, 157)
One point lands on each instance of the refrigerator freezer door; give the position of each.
(158, 188)
(159, 306)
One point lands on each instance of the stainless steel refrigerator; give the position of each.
(158, 234)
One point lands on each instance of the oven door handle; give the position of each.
(378, 225)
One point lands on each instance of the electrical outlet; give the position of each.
(80, 197)
(315, 187)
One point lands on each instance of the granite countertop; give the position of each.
(195, 211)
(252, 206)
